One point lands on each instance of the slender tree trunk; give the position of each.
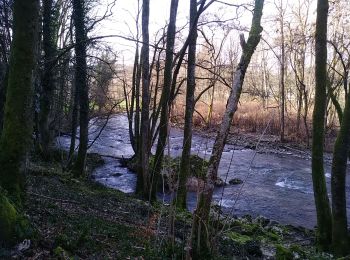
(282, 81)
(134, 114)
(324, 217)
(145, 138)
(191, 86)
(300, 105)
(200, 227)
(132, 129)
(165, 97)
(81, 84)
(48, 81)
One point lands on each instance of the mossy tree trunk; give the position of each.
(324, 217)
(17, 131)
(48, 79)
(81, 84)
(191, 86)
(165, 97)
(200, 233)
(340, 239)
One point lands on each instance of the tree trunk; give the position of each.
(145, 139)
(340, 239)
(324, 219)
(81, 84)
(191, 86)
(74, 122)
(17, 131)
(48, 81)
(16, 136)
(200, 226)
(282, 80)
(3, 88)
(165, 98)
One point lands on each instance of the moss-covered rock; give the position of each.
(247, 245)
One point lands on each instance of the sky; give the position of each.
(124, 12)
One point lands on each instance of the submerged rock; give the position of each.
(235, 181)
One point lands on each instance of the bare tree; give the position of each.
(200, 226)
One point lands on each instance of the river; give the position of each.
(276, 185)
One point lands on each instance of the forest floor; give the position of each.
(81, 219)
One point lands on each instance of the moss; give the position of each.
(283, 253)
(61, 254)
(239, 238)
(8, 219)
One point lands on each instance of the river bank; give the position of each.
(81, 219)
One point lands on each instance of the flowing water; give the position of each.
(277, 186)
